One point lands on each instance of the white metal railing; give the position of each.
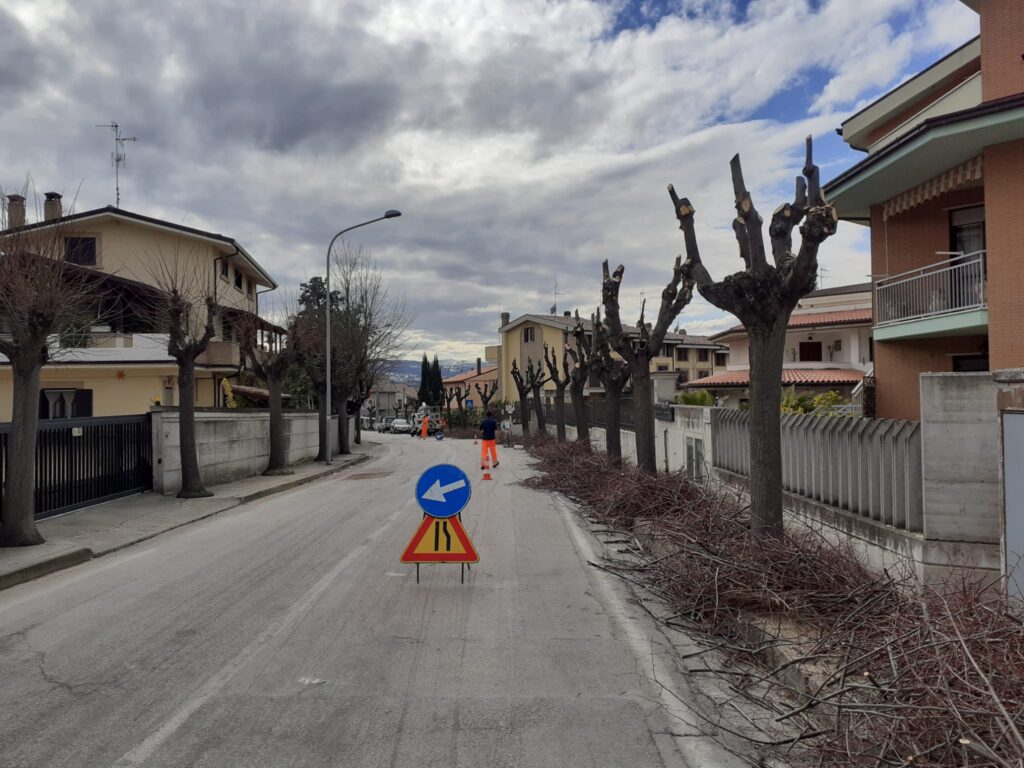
(954, 285)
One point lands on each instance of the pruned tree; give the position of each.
(460, 396)
(560, 380)
(270, 354)
(523, 388)
(763, 296)
(449, 395)
(41, 297)
(638, 349)
(581, 352)
(487, 393)
(536, 378)
(186, 311)
(614, 375)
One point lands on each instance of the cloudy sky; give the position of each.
(524, 140)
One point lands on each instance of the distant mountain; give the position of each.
(408, 371)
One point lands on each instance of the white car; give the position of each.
(399, 426)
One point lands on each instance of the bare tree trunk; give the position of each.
(18, 528)
(524, 410)
(278, 454)
(767, 349)
(343, 446)
(324, 421)
(538, 405)
(191, 480)
(613, 422)
(643, 420)
(579, 407)
(358, 439)
(560, 413)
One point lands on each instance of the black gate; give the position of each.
(85, 461)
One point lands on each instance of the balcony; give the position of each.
(942, 299)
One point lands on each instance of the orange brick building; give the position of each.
(939, 189)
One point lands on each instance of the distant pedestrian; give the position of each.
(488, 435)
(506, 432)
(425, 428)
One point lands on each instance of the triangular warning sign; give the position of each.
(440, 541)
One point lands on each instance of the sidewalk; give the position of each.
(94, 531)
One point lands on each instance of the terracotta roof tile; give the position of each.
(816, 320)
(800, 376)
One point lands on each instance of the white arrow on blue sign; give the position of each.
(443, 491)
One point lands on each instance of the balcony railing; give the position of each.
(954, 285)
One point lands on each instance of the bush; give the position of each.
(700, 397)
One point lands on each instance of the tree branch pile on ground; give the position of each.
(898, 676)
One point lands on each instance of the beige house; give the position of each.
(829, 347)
(683, 357)
(122, 366)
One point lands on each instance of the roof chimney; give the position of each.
(681, 331)
(52, 207)
(506, 318)
(15, 211)
(567, 313)
(479, 367)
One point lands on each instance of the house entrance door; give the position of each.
(1013, 495)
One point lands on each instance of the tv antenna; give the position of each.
(554, 307)
(821, 277)
(117, 157)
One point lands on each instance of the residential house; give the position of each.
(390, 398)
(121, 365)
(939, 190)
(683, 357)
(828, 348)
(466, 383)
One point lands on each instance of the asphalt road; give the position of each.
(286, 633)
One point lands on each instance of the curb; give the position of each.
(82, 554)
(45, 567)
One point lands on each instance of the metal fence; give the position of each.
(953, 285)
(871, 467)
(597, 413)
(85, 461)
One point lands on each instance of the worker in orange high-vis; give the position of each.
(488, 437)
(424, 428)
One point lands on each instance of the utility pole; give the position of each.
(117, 157)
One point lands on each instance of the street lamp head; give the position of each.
(392, 214)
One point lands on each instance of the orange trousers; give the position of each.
(423, 430)
(485, 446)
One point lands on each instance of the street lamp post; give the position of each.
(392, 214)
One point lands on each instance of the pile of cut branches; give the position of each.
(900, 676)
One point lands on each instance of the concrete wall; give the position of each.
(232, 444)
(960, 449)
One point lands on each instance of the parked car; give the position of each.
(398, 426)
(384, 423)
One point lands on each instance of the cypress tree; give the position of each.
(437, 383)
(426, 382)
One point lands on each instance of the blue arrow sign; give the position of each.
(443, 491)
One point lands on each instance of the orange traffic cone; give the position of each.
(487, 469)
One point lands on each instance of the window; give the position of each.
(702, 355)
(662, 367)
(665, 351)
(80, 250)
(238, 279)
(810, 351)
(250, 287)
(970, 363)
(703, 374)
(695, 458)
(682, 354)
(721, 358)
(837, 345)
(871, 349)
(967, 229)
(529, 335)
(223, 269)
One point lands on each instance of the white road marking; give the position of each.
(140, 754)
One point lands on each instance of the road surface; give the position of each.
(286, 633)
